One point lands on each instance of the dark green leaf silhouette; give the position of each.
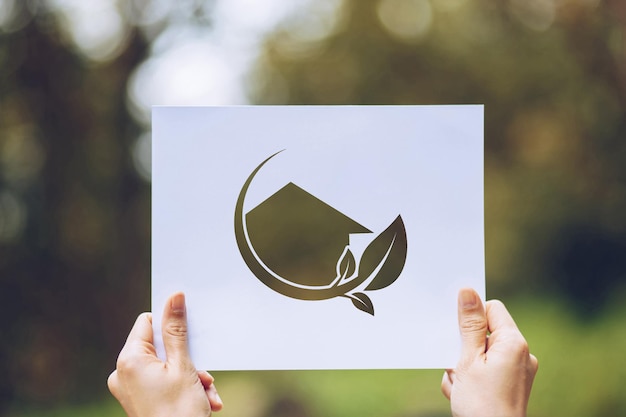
(385, 256)
(346, 265)
(362, 302)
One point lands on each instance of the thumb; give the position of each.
(174, 330)
(472, 324)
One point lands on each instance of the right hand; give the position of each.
(495, 373)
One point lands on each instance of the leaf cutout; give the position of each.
(362, 302)
(385, 256)
(346, 265)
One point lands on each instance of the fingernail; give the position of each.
(177, 303)
(468, 299)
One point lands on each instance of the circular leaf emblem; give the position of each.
(298, 246)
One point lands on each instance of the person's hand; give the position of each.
(146, 386)
(495, 373)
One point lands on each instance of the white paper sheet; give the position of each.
(383, 291)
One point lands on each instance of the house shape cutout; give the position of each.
(299, 237)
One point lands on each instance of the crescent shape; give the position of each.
(261, 272)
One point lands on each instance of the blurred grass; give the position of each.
(107, 408)
(582, 361)
(582, 373)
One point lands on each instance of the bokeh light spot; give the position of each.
(142, 156)
(448, 5)
(21, 156)
(189, 72)
(12, 217)
(407, 20)
(95, 28)
(537, 15)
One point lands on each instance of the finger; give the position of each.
(534, 364)
(113, 383)
(472, 324)
(211, 391)
(499, 317)
(206, 378)
(446, 383)
(174, 330)
(505, 334)
(142, 330)
(139, 340)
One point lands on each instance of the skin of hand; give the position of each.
(495, 373)
(146, 386)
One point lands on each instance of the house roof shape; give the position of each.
(299, 237)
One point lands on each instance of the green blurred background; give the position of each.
(77, 79)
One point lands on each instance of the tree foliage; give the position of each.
(552, 76)
(75, 214)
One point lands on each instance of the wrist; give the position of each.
(490, 410)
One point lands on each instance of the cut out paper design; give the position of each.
(298, 246)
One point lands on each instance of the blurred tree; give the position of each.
(74, 210)
(287, 407)
(74, 216)
(552, 76)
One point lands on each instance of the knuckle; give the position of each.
(145, 316)
(473, 323)
(534, 364)
(176, 328)
(521, 345)
(518, 345)
(112, 383)
(495, 303)
(126, 365)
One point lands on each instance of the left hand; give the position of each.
(146, 386)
